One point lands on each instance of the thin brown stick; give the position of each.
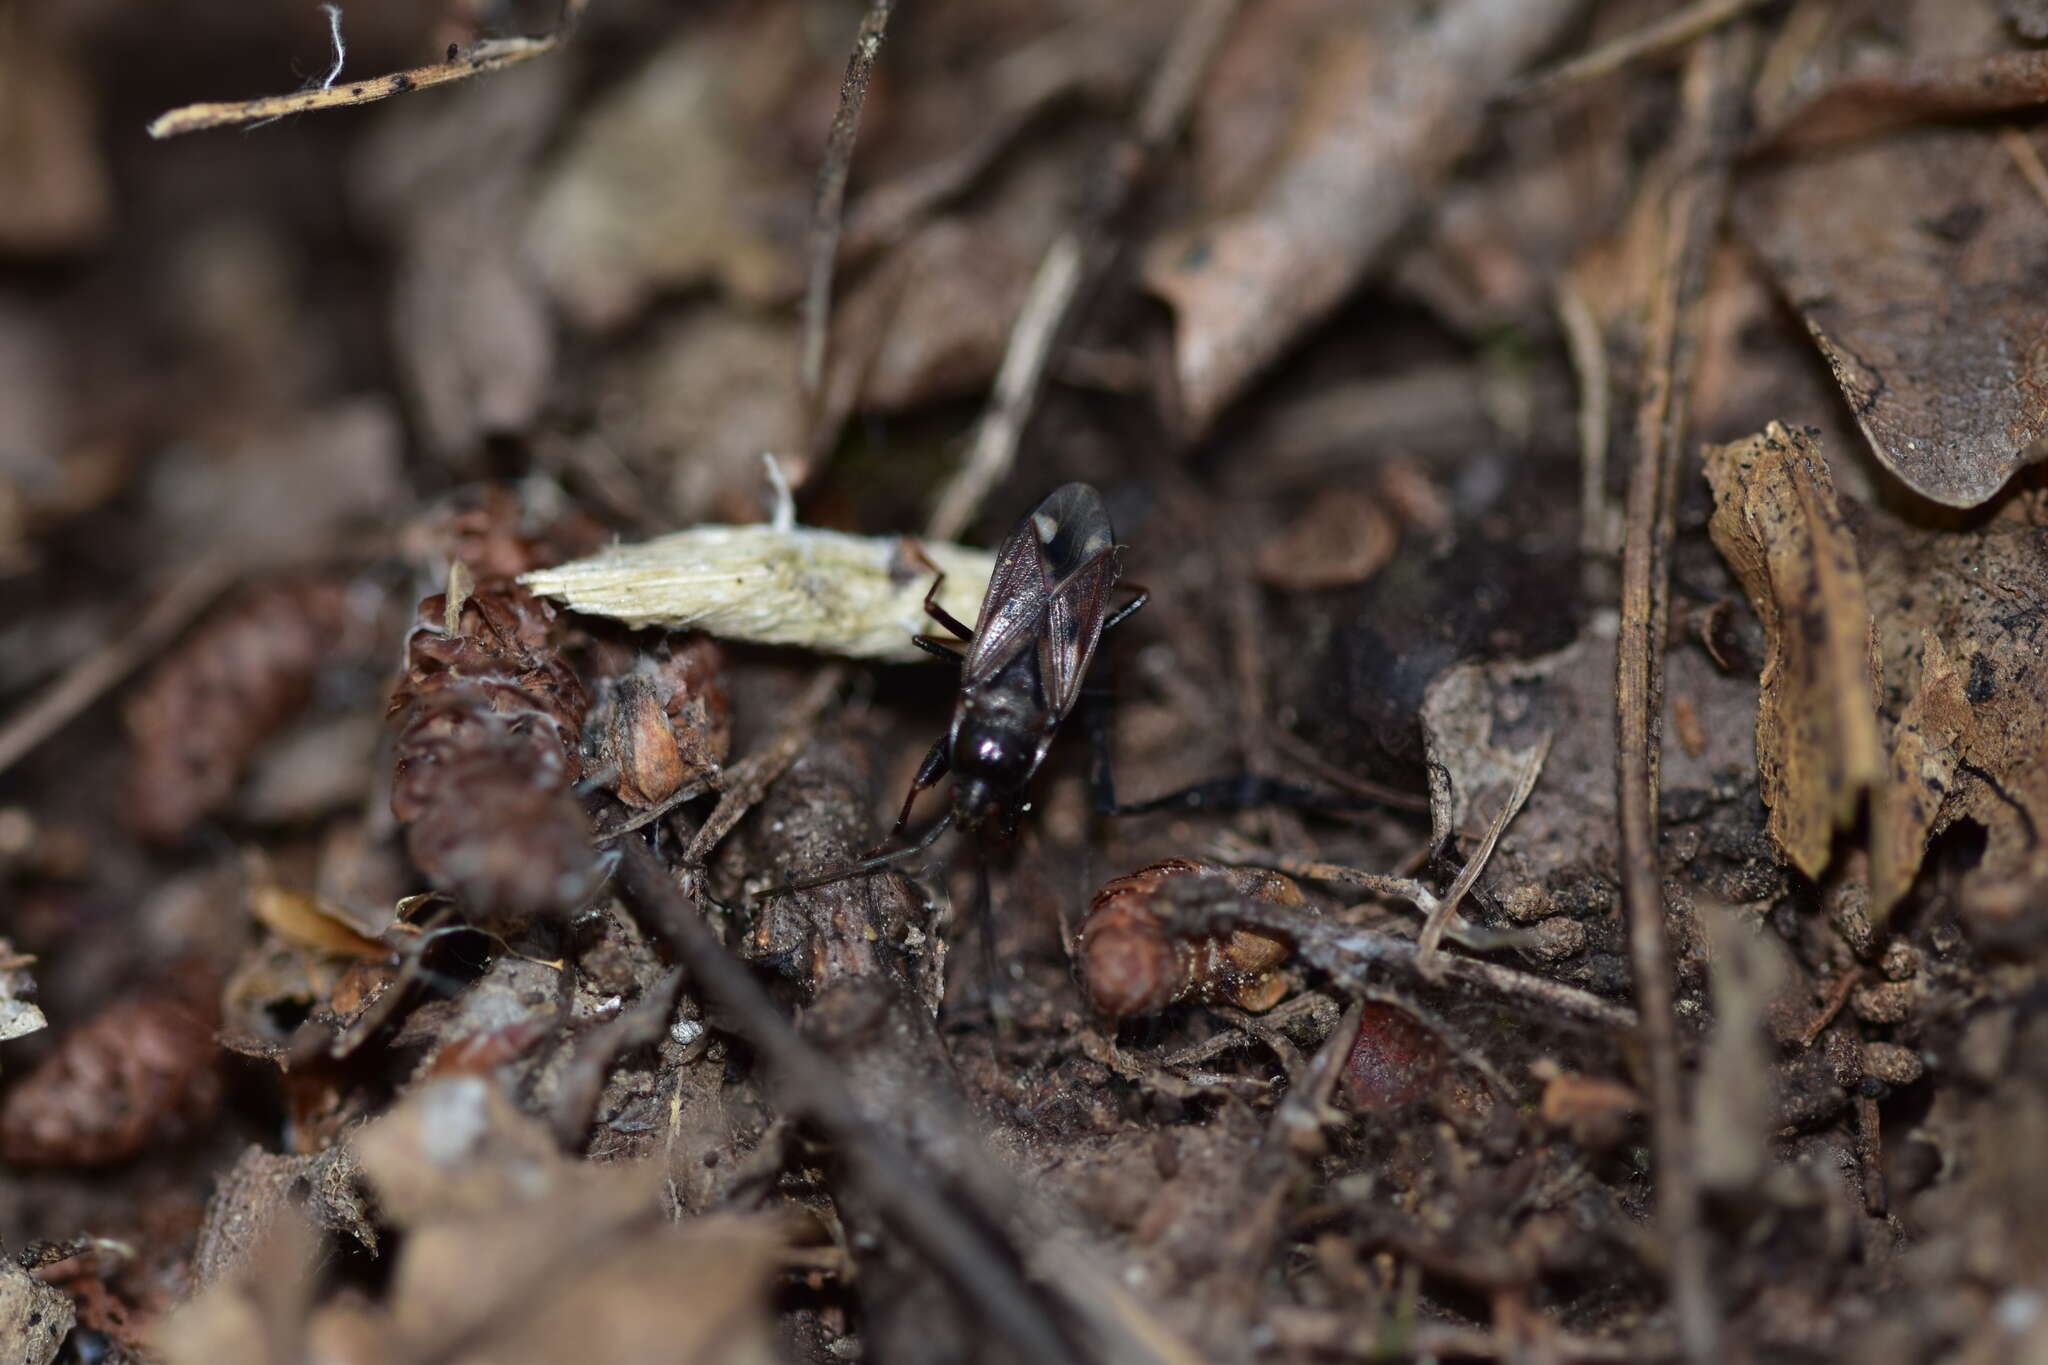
(1714, 88)
(1075, 258)
(747, 781)
(828, 210)
(964, 1253)
(492, 54)
(86, 681)
(1673, 30)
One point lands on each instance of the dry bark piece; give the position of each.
(208, 707)
(1392, 102)
(1909, 263)
(140, 1072)
(1139, 954)
(1594, 1112)
(34, 1317)
(488, 752)
(1777, 523)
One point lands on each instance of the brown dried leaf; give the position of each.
(1979, 594)
(678, 177)
(302, 919)
(1390, 104)
(1910, 261)
(1925, 754)
(1778, 525)
(1344, 537)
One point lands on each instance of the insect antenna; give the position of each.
(874, 862)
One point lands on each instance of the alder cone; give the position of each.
(141, 1072)
(210, 705)
(488, 753)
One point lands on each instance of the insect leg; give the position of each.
(1128, 609)
(873, 863)
(931, 597)
(938, 648)
(929, 772)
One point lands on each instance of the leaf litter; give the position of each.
(386, 974)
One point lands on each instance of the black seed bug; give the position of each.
(1026, 658)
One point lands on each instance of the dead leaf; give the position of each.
(677, 177)
(55, 194)
(1778, 525)
(18, 1013)
(1978, 593)
(34, 1317)
(1910, 260)
(1344, 536)
(1736, 1112)
(1388, 106)
(301, 919)
(1925, 753)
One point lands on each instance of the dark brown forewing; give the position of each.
(1073, 624)
(1014, 609)
(1053, 548)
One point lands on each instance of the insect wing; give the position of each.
(1073, 625)
(1050, 587)
(1013, 611)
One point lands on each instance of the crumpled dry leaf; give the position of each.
(1926, 751)
(517, 1253)
(1777, 523)
(699, 404)
(1909, 254)
(1560, 854)
(678, 176)
(18, 1014)
(34, 1317)
(1978, 595)
(1392, 102)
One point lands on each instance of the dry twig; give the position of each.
(89, 679)
(493, 54)
(1715, 85)
(828, 210)
(1075, 258)
(1661, 35)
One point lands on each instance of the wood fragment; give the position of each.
(1715, 84)
(493, 54)
(828, 209)
(1070, 263)
(1652, 39)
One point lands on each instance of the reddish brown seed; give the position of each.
(1136, 960)
(1393, 1061)
(140, 1072)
